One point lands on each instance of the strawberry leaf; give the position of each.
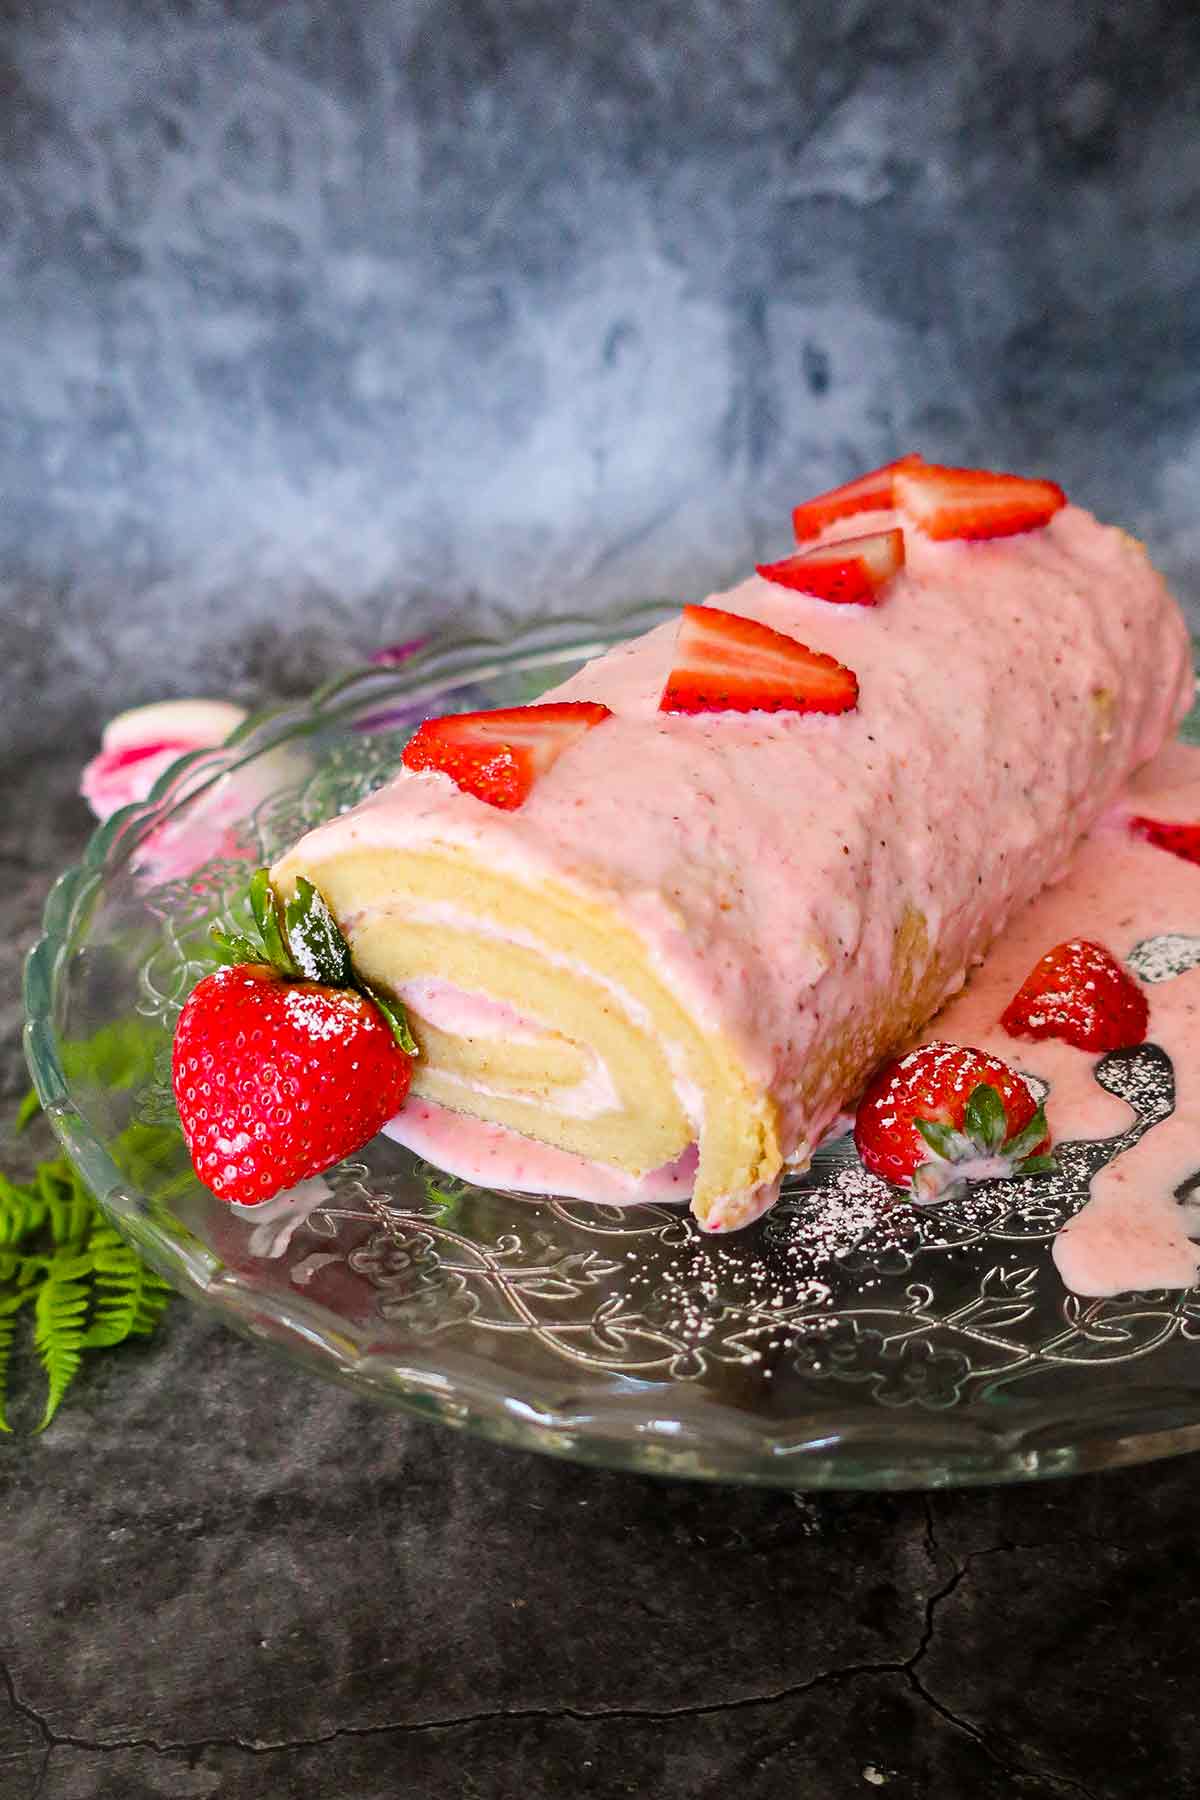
(265, 907)
(319, 950)
(303, 942)
(396, 1017)
(232, 947)
(1038, 1165)
(944, 1141)
(985, 1119)
(1027, 1141)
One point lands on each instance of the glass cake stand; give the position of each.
(846, 1341)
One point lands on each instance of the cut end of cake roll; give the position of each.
(539, 1011)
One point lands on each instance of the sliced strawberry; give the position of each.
(1164, 834)
(497, 756)
(725, 663)
(1079, 992)
(852, 571)
(945, 1114)
(974, 503)
(868, 493)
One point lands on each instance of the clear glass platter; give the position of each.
(893, 1348)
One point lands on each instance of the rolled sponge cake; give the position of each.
(709, 929)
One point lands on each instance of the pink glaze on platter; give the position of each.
(1119, 890)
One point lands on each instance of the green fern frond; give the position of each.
(70, 1209)
(22, 1213)
(149, 1158)
(129, 1297)
(28, 1110)
(60, 1326)
(87, 1288)
(117, 1056)
(10, 1305)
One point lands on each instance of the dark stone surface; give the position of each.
(322, 322)
(226, 1580)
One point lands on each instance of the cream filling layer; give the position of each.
(476, 1006)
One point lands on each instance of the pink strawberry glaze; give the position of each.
(767, 861)
(1133, 1233)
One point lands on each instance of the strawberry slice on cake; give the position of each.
(874, 492)
(973, 503)
(726, 663)
(498, 756)
(850, 571)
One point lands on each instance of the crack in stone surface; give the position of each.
(958, 1574)
(585, 1716)
(601, 1716)
(34, 1718)
(905, 1669)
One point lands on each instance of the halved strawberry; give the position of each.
(1164, 834)
(867, 493)
(1079, 992)
(974, 503)
(852, 570)
(725, 663)
(497, 756)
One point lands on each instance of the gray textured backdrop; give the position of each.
(323, 321)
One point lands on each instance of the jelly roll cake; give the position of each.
(664, 925)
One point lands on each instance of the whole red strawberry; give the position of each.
(1079, 992)
(277, 1080)
(278, 1077)
(945, 1114)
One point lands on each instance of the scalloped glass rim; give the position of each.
(664, 1427)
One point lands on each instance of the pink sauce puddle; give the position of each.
(1133, 1233)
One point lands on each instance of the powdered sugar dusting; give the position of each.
(324, 1015)
(317, 947)
(1161, 958)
